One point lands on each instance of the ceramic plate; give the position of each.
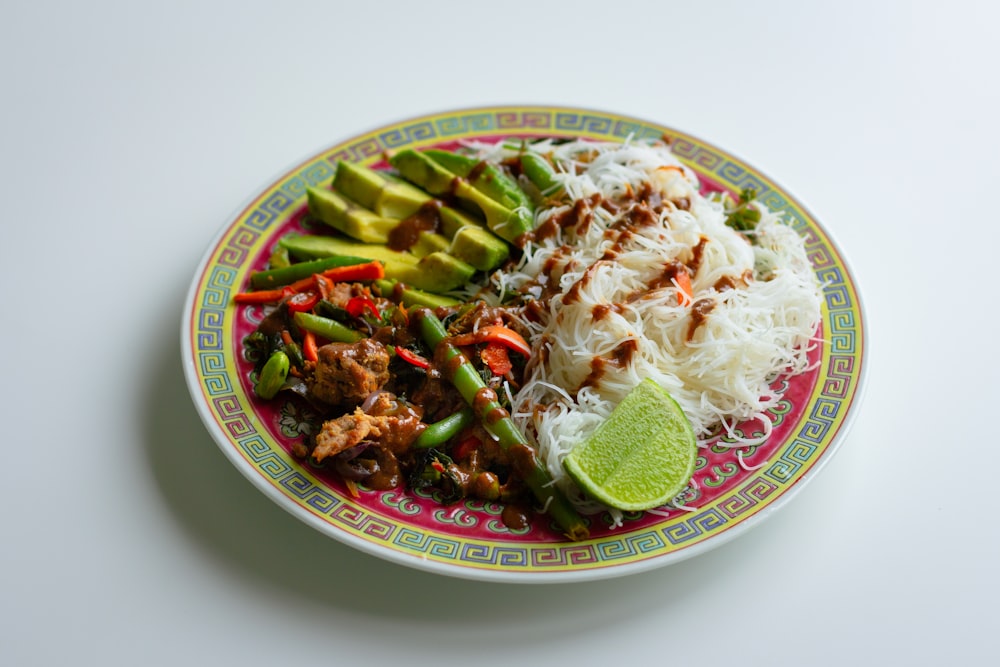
(732, 489)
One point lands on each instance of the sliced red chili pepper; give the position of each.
(411, 357)
(495, 333)
(259, 297)
(309, 349)
(462, 450)
(495, 356)
(357, 305)
(368, 271)
(302, 302)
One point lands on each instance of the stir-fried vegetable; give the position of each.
(497, 421)
(350, 326)
(744, 216)
(442, 431)
(327, 328)
(338, 273)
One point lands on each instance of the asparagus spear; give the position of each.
(484, 403)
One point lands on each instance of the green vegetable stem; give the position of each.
(498, 422)
(272, 375)
(540, 173)
(442, 431)
(277, 277)
(327, 328)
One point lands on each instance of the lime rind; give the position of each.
(641, 457)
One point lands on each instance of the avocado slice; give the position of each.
(419, 169)
(347, 217)
(411, 296)
(392, 197)
(479, 247)
(435, 272)
(316, 246)
(359, 223)
(485, 176)
(359, 184)
(369, 188)
(453, 220)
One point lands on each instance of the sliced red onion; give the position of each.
(357, 470)
(370, 399)
(353, 452)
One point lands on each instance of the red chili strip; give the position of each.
(302, 302)
(357, 305)
(413, 358)
(339, 274)
(309, 348)
(495, 356)
(497, 334)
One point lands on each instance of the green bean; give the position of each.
(540, 173)
(272, 375)
(442, 431)
(294, 352)
(327, 328)
(289, 274)
(498, 422)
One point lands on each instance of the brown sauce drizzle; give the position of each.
(641, 215)
(456, 185)
(573, 294)
(602, 310)
(667, 275)
(515, 517)
(534, 310)
(477, 171)
(696, 254)
(451, 366)
(724, 283)
(610, 206)
(408, 231)
(617, 360)
(523, 459)
(388, 474)
(699, 313)
(578, 217)
(732, 282)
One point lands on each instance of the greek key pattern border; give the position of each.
(827, 411)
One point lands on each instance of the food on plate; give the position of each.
(641, 456)
(496, 321)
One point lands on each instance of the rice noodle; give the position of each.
(761, 302)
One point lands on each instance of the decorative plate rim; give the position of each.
(510, 560)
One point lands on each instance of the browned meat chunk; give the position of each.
(343, 433)
(390, 423)
(398, 422)
(346, 373)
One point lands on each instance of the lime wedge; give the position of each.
(641, 457)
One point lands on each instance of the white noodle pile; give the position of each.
(721, 376)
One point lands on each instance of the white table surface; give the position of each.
(131, 131)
